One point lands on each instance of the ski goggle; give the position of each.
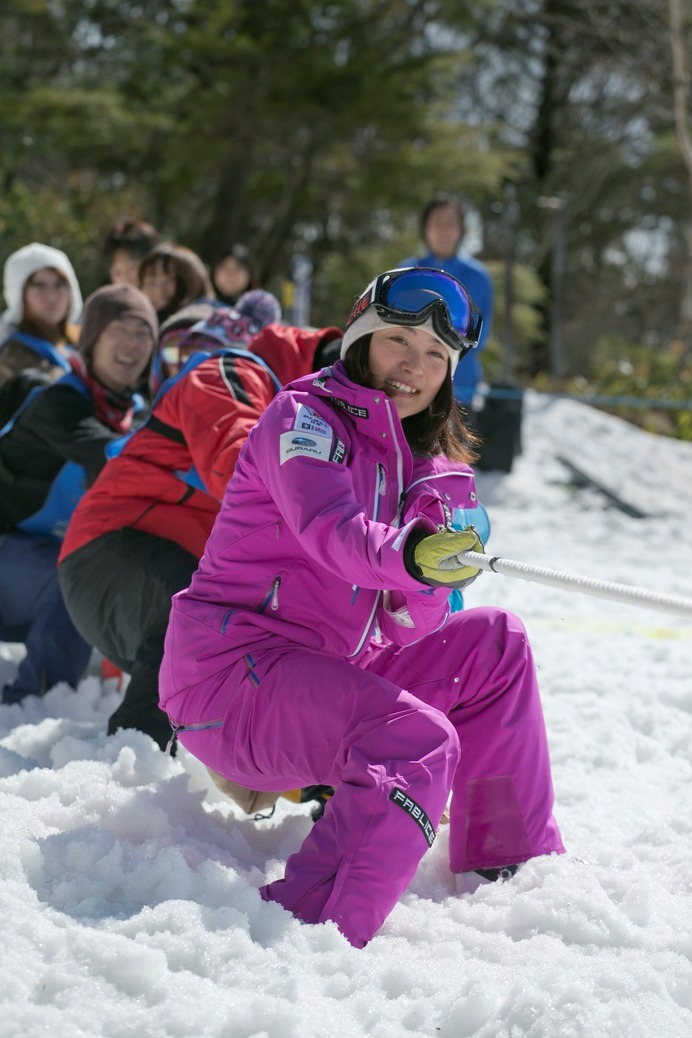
(175, 348)
(211, 334)
(412, 295)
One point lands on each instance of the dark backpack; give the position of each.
(69, 484)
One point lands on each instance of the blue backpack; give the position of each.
(68, 486)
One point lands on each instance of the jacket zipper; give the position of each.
(400, 497)
(437, 475)
(272, 599)
(399, 458)
(368, 626)
(202, 726)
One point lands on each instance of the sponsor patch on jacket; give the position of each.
(310, 421)
(339, 452)
(397, 796)
(357, 412)
(296, 444)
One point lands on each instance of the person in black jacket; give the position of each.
(49, 453)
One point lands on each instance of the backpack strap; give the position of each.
(44, 349)
(69, 379)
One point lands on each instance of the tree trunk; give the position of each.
(680, 101)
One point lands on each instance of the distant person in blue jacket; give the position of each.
(442, 230)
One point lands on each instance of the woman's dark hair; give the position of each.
(239, 252)
(242, 255)
(442, 200)
(134, 236)
(191, 276)
(439, 429)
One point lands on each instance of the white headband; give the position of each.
(370, 321)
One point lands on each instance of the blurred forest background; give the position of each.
(318, 129)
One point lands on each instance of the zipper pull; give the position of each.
(172, 744)
(275, 595)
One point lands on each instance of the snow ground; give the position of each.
(129, 904)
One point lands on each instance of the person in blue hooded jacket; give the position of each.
(442, 230)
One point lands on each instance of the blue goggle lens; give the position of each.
(416, 291)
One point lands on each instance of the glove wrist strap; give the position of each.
(412, 541)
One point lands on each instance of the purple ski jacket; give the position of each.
(308, 545)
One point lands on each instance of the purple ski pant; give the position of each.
(459, 710)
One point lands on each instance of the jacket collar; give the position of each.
(370, 410)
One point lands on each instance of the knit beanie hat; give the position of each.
(224, 325)
(260, 306)
(113, 303)
(188, 315)
(26, 261)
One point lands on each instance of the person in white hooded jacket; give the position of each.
(43, 305)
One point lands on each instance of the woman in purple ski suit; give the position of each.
(315, 643)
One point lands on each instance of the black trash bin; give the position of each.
(498, 423)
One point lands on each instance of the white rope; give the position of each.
(640, 596)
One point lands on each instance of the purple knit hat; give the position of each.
(261, 307)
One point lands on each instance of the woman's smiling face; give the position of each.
(121, 353)
(410, 365)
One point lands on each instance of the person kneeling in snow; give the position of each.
(315, 642)
(138, 534)
(49, 452)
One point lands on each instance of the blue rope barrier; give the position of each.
(496, 393)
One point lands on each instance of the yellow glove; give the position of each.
(434, 558)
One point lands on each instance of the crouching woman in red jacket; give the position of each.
(137, 535)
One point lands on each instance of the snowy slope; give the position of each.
(652, 473)
(129, 900)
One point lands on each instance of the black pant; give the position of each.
(118, 591)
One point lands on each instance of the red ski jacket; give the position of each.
(201, 422)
